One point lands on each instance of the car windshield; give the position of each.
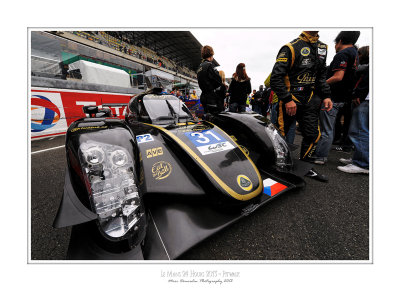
(164, 110)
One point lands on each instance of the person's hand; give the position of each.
(291, 108)
(356, 102)
(327, 104)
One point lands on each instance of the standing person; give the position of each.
(193, 96)
(257, 101)
(299, 80)
(274, 104)
(209, 81)
(341, 78)
(239, 89)
(222, 92)
(359, 125)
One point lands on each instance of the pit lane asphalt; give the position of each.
(323, 221)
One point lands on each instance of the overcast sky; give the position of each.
(258, 47)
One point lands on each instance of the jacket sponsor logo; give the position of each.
(305, 51)
(154, 152)
(306, 79)
(161, 170)
(306, 61)
(244, 182)
(283, 60)
(282, 55)
(144, 138)
(322, 52)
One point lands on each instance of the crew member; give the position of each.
(299, 80)
(210, 82)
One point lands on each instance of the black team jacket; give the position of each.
(300, 70)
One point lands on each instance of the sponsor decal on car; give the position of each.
(161, 170)
(144, 138)
(209, 142)
(244, 182)
(305, 51)
(88, 128)
(215, 148)
(272, 187)
(245, 150)
(154, 152)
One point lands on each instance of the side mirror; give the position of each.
(91, 110)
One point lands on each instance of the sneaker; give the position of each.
(346, 161)
(320, 161)
(353, 169)
(308, 159)
(317, 176)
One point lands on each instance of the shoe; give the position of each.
(320, 161)
(346, 161)
(317, 176)
(309, 159)
(353, 169)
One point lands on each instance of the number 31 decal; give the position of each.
(204, 138)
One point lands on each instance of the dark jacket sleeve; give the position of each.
(321, 86)
(362, 86)
(214, 77)
(279, 72)
(248, 87)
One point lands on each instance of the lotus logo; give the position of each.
(45, 114)
(244, 182)
(161, 170)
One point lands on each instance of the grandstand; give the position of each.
(174, 50)
(165, 57)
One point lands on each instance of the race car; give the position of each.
(154, 185)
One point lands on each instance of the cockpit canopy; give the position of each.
(159, 109)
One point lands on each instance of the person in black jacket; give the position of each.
(239, 88)
(210, 83)
(299, 80)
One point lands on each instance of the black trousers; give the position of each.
(307, 115)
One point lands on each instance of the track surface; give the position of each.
(323, 221)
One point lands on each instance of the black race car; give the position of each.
(157, 183)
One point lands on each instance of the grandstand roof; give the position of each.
(180, 46)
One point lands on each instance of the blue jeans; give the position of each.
(291, 133)
(274, 119)
(235, 107)
(256, 108)
(327, 121)
(359, 135)
(274, 113)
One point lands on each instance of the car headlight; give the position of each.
(282, 152)
(110, 179)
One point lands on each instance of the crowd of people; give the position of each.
(301, 90)
(123, 42)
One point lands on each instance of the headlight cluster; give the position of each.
(282, 152)
(109, 172)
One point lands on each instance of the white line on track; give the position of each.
(41, 151)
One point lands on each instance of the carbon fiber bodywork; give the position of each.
(194, 178)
